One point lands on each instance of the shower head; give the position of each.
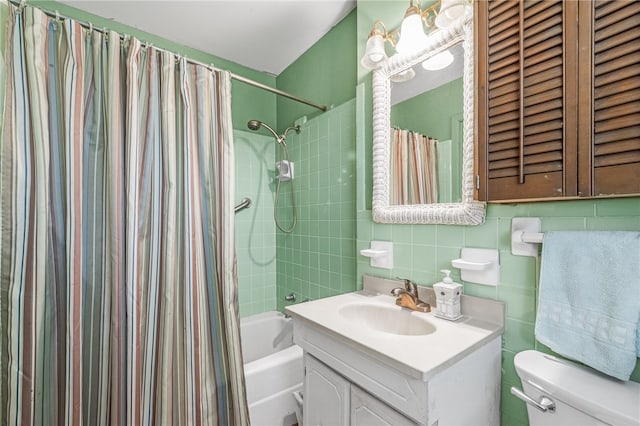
(255, 125)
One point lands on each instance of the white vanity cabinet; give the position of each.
(326, 395)
(359, 371)
(367, 410)
(350, 387)
(331, 399)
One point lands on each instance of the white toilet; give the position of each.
(572, 394)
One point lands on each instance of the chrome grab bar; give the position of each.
(545, 404)
(244, 203)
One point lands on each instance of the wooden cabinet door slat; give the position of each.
(616, 115)
(560, 101)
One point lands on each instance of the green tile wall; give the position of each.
(318, 258)
(420, 251)
(255, 229)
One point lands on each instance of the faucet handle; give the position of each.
(409, 285)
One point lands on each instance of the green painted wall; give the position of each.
(420, 251)
(324, 74)
(247, 102)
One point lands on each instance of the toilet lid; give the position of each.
(607, 399)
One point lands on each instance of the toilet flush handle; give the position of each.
(545, 404)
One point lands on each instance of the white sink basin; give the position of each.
(387, 319)
(417, 344)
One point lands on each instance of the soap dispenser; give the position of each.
(447, 297)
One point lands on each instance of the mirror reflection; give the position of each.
(463, 209)
(426, 134)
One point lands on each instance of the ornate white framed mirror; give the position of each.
(453, 205)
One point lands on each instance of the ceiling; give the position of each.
(265, 35)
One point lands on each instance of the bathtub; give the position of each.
(272, 368)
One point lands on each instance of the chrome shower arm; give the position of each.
(288, 129)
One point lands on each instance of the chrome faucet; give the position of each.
(407, 297)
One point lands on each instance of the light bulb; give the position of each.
(412, 36)
(374, 54)
(450, 12)
(438, 61)
(403, 76)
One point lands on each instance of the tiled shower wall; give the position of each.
(255, 230)
(318, 258)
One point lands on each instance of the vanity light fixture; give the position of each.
(450, 12)
(411, 37)
(403, 76)
(374, 52)
(438, 61)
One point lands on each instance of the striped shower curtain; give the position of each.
(413, 168)
(117, 261)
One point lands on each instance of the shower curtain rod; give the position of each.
(55, 14)
(277, 91)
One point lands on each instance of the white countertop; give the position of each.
(419, 356)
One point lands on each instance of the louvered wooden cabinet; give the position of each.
(558, 107)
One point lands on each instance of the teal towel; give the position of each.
(589, 298)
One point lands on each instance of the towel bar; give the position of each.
(532, 237)
(245, 203)
(525, 236)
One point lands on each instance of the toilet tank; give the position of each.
(582, 396)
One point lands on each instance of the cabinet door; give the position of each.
(615, 49)
(366, 410)
(527, 64)
(558, 89)
(326, 395)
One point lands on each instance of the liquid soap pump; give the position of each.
(447, 297)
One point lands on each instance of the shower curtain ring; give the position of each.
(21, 6)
